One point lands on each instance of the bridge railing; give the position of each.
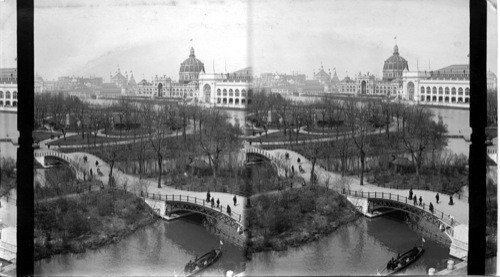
(192, 200)
(402, 199)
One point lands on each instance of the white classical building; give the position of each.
(449, 86)
(8, 88)
(231, 90)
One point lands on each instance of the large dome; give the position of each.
(394, 66)
(190, 68)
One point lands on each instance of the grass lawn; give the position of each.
(278, 136)
(317, 129)
(129, 133)
(43, 135)
(77, 140)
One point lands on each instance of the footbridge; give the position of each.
(282, 168)
(369, 202)
(76, 166)
(165, 205)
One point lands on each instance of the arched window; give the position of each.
(243, 92)
(460, 91)
(428, 90)
(7, 94)
(224, 92)
(422, 90)
(440, 90)
(447, 91)
(453, 91)
(14, 95)
(237, 93)
(1, 94)
(231, 94)
(434, 90)
(467, 92)
(218, 92)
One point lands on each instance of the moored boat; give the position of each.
(202, 263)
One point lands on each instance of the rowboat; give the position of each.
(401, 262)
(202, 263)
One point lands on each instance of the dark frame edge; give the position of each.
(25, 201)
(477, 157)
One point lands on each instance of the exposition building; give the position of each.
(195, 85)
(448, 86)
(8, 88)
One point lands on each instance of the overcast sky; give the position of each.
(153, 37)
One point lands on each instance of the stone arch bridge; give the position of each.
(78, 169)
(281, 167)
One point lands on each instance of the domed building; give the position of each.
(394, 66)
(190, 68)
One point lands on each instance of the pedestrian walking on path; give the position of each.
(431, 208)
(212, 201)
(437, 198)
(208, 196)
(411, 194)
(248, 203)
(234, 200)
(451, 200)
(420, 200)
(415, 200)
(451, 219)
(218, 202)
(228, 210)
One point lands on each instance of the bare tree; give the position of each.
(219, 136)
(420, 133)
(157, 127)
(358, 117)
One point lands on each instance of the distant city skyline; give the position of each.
(286, 36)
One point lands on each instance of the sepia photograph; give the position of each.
(249, 137)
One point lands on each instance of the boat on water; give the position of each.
(402, 261)
(202, 263)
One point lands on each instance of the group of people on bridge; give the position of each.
(212, 201)
(431, 207)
